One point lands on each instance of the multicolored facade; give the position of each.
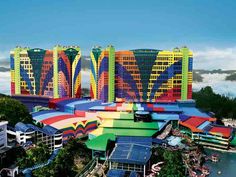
(102, 74)
(142, 75)
(51, 73)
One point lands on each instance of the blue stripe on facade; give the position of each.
(164, 76)
(12, 64)
(127, 78)
(103, 66)
(93, 72)
(77, 71)
(47, 79)
(26, 78)
(63, 67)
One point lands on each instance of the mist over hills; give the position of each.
(4, 69)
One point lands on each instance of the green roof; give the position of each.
(129, 132)
(127, 116)
(233, 142)
(131, 125)
(100, 142)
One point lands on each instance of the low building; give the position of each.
(131, 154)
(28, 133)
(3, 134)
(204, 131)
(3, 141)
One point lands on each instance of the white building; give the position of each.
(26, 133)
(3, 134)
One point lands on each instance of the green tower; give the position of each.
(111, 73)
(184, 86)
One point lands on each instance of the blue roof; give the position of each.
(48, 130)
(192, 111)
(23, 127)
(85, 106)
(115, 173)
(41, 112)
(169, 107)
(183, 117)
(121, 173)
(130, 153)
(203, 125)
(135, 140)
(74, 103)
(159, 116)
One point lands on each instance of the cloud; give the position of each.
(218, 83)
(5, 82)
(4, 58)
(215, 58)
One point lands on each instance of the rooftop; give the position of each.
(99, 143)
(220, 130)
(3, 123)
(131, 153)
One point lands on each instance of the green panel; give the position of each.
(129, 132)
(184, 84)
(111, 74)
(135, 125)
(55, 72)
(100, 142)
(17, 69)
(127, 116)
(233, 142)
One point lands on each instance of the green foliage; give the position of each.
(173, 165)
(33, 156)
(13, 111)
(3, 96)
(222, 106)
(64, 163)
(231, 77)
(12, 155)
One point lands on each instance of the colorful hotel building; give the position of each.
(51, 73)
(142, 75)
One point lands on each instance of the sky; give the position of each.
(208, 28)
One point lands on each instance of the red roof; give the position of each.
(224, 131)
(194, 121)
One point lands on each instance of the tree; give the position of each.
(63, 164)
(222, 106)
(174, 166)
(14, 111)
(36, 155)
